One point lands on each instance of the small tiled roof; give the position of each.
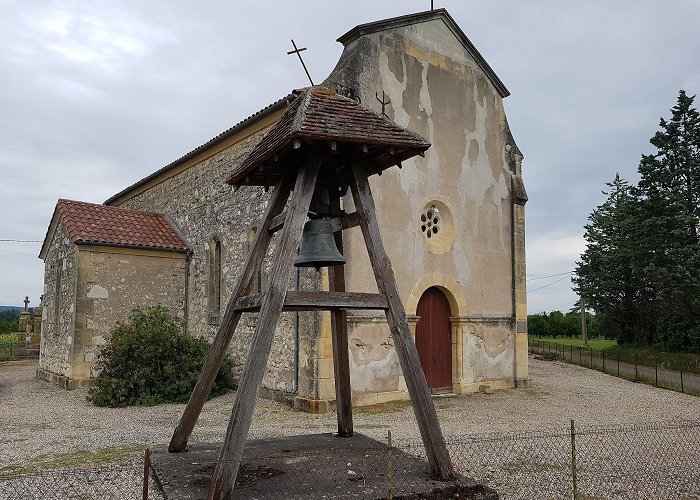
(319, 114)
(91, 224)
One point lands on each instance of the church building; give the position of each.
(452, 222)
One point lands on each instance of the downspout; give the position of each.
(186, 313)
(296, 338)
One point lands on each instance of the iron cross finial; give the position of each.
(298, 53)
(383, 101)
(26, 303)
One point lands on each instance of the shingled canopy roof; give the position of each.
(92, 224)
(319, 115)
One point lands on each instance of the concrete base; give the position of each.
(312, 466)
(63, 381)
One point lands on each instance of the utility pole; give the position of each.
(584, 332)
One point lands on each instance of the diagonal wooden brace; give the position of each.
(426, 416)
(270, 311)
(217, 351)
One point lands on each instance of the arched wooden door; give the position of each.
(434, 339)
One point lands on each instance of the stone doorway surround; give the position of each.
(462, 377)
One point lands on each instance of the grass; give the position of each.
(74, 459)
(644, 355)
(7, 341)
(388, 407)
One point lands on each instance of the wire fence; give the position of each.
(638, 368)
(656, 460)
(119, 481)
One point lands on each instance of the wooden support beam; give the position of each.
(345, 222)
(317, 301)
(271, 308)
(277, 222)
(339, 337)
(217, 351)
(423, 408)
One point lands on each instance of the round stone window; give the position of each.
(430, 221)
(436, 224)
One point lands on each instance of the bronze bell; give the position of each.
(318, 246)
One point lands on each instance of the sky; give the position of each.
(96, 95)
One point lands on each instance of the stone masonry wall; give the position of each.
(204, 207)
(59, 304)
(111, 283)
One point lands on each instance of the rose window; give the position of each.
(430, 221)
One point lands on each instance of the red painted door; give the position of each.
(434, 339)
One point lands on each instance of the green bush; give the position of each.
(149, 361)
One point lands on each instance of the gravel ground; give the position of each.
(39, 421)
(46, 427)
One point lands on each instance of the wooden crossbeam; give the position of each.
(337, 223)
(316, 301)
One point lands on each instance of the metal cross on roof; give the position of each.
(383, 101)
(297, 52)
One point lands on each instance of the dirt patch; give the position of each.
(457, 492)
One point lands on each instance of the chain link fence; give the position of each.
(633, 461)
(118, 481)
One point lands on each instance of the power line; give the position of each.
(548, 284)
(19, 241)
(550, 276)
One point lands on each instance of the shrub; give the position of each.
(150, 361)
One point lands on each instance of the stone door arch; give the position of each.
(434, 339)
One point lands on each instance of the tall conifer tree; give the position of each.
(641, 267)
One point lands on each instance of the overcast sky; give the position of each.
(95, 95)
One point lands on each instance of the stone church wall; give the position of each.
(204, 207)
(60, 279)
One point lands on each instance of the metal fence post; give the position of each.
(580, 353)
(602, 353)
(573, 460)
(618, 364)
(656, 372)
(390, 467)
(591, 357)
(146, 472)
(636, 371)
(682, 389)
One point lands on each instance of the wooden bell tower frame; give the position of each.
(315, 184)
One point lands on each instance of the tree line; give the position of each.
(559, 324)
(9, 321)
(640, 271)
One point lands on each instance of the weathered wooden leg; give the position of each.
(341, 357)
(435, 447)
(217, 351)
(270, 311)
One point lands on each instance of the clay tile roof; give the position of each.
(319, 114)
(91, 224)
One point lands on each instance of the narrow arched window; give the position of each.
(214, 281)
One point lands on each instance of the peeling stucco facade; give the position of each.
(438, 89)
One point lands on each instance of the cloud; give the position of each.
(96, 95)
